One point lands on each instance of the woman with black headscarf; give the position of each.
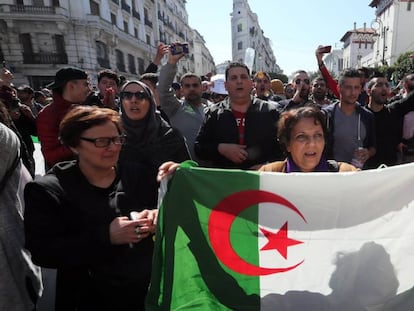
(151, 141)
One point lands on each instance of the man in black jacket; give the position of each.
(240, 131)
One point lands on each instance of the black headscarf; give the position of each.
(141, 132)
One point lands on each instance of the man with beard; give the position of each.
(301, 85)
(262, 85)
(240, 131)
(351, 127)
(387, 123)
(185, 114)
(70, 87)
(319, 92)
(404, 108)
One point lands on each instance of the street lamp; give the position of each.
(381, 31)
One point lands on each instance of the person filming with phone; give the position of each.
(186, 114)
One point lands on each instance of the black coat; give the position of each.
(67, 228)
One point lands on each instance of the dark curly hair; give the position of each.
(289, 119)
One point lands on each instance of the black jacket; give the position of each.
(67, 228)
(260, 134)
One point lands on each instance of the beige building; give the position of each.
(38, 37)
(247, 34)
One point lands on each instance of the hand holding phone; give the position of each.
(179, 48)
(325, 49)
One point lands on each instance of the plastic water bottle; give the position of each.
(356, 161)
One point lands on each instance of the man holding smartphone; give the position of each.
(186, 114)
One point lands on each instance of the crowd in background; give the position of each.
(92, 216)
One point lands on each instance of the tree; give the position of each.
(404, 64)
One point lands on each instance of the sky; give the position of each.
(294, 27)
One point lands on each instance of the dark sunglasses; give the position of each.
(103, 142)
(194, 85)
(138, 95)
(298, 81)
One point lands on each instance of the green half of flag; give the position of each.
(35, 139)
(201, 272)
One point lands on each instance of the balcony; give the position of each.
(45, 58)
(103, 62)
(136, 14)
(31, 9)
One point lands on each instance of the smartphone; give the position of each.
(325, 49)
(179, 48)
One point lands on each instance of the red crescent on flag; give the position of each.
(221, 220)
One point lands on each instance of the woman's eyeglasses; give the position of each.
(138, 95)
(103, 142)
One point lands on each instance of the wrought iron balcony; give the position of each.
(31, 9)
(45, 58)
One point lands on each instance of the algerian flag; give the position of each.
(239, 240)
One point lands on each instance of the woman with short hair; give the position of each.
(90, 224)
(302, 134)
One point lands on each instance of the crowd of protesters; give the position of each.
(103, 148)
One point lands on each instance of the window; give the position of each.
(148, 39)
(94, 8)
(131, 64)
(26, 41)
(240, 45)
(120, 63)
(113, 19)
(141, 66)
(60, 44)
(136, 32)
(125, 26)
(239, 28)
(102, 54)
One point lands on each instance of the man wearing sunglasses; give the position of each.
(186, 114)
(301, 86)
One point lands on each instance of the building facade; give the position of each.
(38, 37)
(393, 24)
(247, 36)
(358, 43)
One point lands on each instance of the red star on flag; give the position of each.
(279, 240)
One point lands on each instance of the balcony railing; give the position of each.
(45, 58)
(103, 62)
(136, 14)
(31, 9)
